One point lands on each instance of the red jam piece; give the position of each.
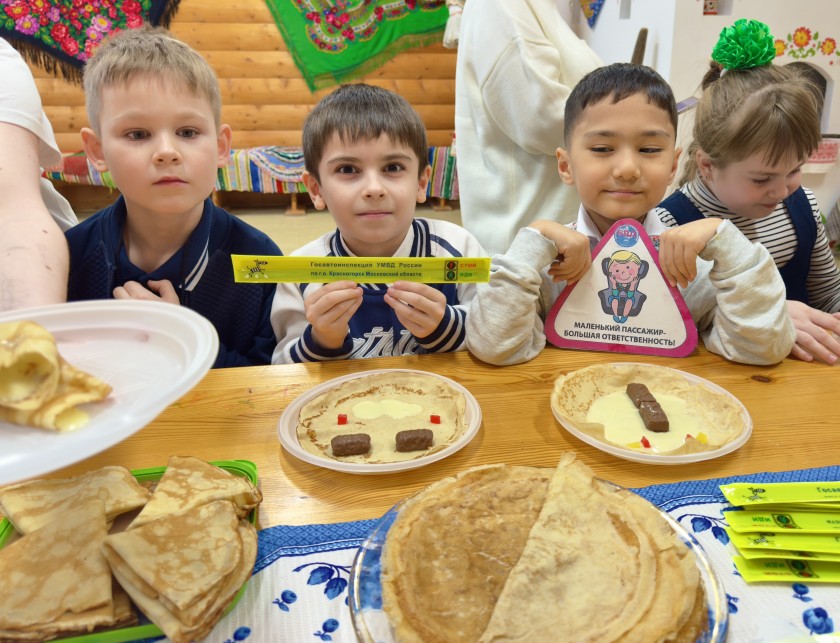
(342, 418)
(434, 419)
(645, 442)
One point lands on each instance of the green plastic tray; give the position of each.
(244, 468)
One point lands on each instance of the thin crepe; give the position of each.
(189, 482)
(381, 405)
(30, 505)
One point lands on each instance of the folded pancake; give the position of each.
(154, 600)
(594, 399)
(451, 547)
(606, 557)
(56, 579)
(30, 505)
(29, 365)
(60, 410)
(179, 558)
(381, 405)
(190, 482)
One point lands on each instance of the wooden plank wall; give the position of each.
(264, 96)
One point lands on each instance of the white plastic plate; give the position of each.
(150, 353)
(287, 428)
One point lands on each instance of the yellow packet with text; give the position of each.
(777, 570)
(801, 522)
(367, 270)
(743, 494)
(822, 543)
(750, 554)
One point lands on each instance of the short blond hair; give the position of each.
(148, 51)
(624, 256)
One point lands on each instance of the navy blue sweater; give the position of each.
(201, 272)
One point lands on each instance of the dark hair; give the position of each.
(362, 112)
(771, 109)
(617, 82)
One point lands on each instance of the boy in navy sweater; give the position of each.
(366, 161)
(155, 110)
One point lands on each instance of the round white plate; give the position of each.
(287, 428)
(372, 625)
(664, 458)
(150, 353)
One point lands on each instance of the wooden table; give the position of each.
(233, 414)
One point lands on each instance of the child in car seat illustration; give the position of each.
(624, 271)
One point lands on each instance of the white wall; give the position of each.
(681, 38)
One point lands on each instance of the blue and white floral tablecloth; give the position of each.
(299, 589)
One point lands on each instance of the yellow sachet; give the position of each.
(429, 270)
(801, 522)
(751, 554)
(775, 570)
(743, 494)
(821, 543)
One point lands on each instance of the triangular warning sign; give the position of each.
(623, 303)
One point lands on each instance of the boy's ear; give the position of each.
(93, 149)
(564, 166)
(423, 184)
(223, 142)
(314, 189)
(677, 154)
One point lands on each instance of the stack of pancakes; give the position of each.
(37, 386)
(182, 560)
(501, 553)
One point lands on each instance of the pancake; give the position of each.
(31, 505)
(594, 399)
(619, 571)
(60, 410)
(184, 569)
(449, 551)
(189, 482)
(381, 405)
(29, 365)
(512, 553)
(56, 579)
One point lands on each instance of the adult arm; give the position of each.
(34, 259)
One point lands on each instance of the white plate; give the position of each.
(372, 625)
(664, 458)
(287, 428)
(150, 353)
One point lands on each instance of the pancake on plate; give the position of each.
(37, 386)
(505, 553)
(190, 482)
(594, 399)
(56, 580)
(382, 405)
(182, 570)
(30, 505)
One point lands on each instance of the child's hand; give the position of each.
(162, 290)
(329, 309)
(573, 253)
(419, 307)
(816, 333)
(679, 247)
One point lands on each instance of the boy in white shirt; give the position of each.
(620, 130)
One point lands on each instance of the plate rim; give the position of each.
(702, 561)
(662, 458)
(121, 314)
(287, 434)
